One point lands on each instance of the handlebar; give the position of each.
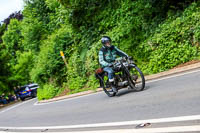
(122, 61)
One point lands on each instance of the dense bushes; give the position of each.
(174, 41)
(158, 34)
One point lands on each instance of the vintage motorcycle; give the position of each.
(127, 75)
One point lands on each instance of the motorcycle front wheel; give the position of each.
(135, 78)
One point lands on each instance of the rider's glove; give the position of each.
(129, 57)
(110, 64)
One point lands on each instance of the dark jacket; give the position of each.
(108, 55)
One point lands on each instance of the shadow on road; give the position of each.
(126, 91)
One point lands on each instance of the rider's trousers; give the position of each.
(110, 72)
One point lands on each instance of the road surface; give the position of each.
(172, 102)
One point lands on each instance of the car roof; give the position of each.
(29, 86)
(32, 85)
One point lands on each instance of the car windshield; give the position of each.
(32, 86)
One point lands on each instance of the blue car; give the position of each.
(28, 91)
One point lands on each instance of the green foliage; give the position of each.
(92, 83)
(4, 71)
(52, 4)
(37, 9)
(12, 39)
(34, 24)
(32, 32)
(48, 91)
(174, 41)
(76, 83)
(23, 67)
(75, 72)
(49, 65)
(2, 30)
(92, 59)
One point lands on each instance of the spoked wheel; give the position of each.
(106, 86)
(136, 78)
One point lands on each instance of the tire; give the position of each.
(106, 86)
(135, 78)
(22, 99)
(34, 94)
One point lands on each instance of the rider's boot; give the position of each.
(114, 89)
(135, 77)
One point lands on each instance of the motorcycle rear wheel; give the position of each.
(106, 86)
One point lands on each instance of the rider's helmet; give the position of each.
(105, 39)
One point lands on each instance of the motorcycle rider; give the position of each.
(107, 56)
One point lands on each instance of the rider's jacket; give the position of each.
(108, 55)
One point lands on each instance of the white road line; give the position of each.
(16, 106)
(125, 123)
(150, 130)
(179, 129)
(62, 100)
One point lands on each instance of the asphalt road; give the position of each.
(171, 97)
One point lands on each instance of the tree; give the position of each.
(17, 15)
(12, 39)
